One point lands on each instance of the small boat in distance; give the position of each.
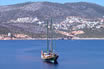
(49, 55)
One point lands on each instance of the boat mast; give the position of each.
(51, 42)
(47, 38)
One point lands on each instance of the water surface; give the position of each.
(74, 54)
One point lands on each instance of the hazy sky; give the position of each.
(7, 2)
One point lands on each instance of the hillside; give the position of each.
(44, 10)
(23, 17)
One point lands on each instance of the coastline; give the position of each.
(57, 39)
(88, 39)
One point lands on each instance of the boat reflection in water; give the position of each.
(51, 63)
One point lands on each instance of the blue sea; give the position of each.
(73, 54)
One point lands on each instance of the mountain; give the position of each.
(22, 17)
(44, 10)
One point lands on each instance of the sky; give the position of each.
(9, 2)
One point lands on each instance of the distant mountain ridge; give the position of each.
(44, 10)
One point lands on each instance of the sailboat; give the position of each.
(49, 55)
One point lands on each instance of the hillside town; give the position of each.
(77, 23)
(74, 25)
(70, 27)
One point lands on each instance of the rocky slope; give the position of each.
(44, 10)
(22, 18)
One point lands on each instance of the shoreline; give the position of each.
(88, 39)
(57, 39)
